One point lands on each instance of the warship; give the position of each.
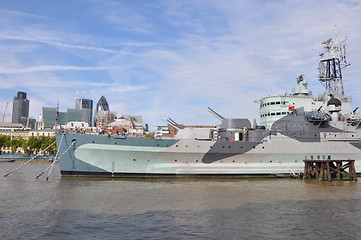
(293, 127)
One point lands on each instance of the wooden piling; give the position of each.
(330, 169)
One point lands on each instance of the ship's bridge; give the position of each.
(273, 108)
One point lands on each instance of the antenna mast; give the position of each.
(333, 59)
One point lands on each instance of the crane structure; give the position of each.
(6, 108)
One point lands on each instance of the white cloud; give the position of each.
(5, 11)
(54, 68)
(56, 43)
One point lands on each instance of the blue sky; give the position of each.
(174, 59)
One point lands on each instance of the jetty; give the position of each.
(330, 169)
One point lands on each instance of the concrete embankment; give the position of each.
(19, 158)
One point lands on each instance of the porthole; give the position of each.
(176, 160)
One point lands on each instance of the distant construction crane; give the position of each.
(6, 108)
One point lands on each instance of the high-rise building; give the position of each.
(20, 107)
(85, 104)
(48, 118)
(79, 115)
(102, 105)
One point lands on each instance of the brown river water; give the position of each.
(90, 208)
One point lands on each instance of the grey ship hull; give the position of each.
(273, 156)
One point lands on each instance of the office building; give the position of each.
(48, 117)
(101, 107)
(85, 104)
(20, 107)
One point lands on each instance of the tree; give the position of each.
(4, 141)
(16, 142)
(32, 145)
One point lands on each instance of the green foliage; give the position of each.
(148, 136)
(4, 141)
(16, 142)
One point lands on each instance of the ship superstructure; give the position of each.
(333, 60)
(273, 108)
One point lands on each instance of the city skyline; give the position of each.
(170, 58)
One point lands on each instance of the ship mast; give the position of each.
(333, 59)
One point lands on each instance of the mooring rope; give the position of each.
(54, 160)
(28, 161)
(59, 158)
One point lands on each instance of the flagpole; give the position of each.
(57, 114)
